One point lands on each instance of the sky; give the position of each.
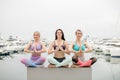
(96, 18)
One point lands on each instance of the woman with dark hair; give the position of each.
(59, 47)
(80, 47)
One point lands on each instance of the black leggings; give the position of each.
(59, 59)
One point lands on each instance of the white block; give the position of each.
(59, 73)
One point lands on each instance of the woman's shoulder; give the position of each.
(42, 43)
(84, 42)
(65, 42)
(72, 42)
(30, 42)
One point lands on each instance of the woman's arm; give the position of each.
(89, 49)
(50, 50)
(41, 51)
(26, 49)
(67, 48)
(73, 51)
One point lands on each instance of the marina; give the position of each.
(106, 67)
(59, 39)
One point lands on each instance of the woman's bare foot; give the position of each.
(66, 66)
(51, 66)
(75, 66)
(75, 59)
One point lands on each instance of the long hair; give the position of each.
(63, 38)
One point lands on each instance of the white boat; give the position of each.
(113, 46)
(113, 42)
(3, 53)
(2, 42)
(15, 44)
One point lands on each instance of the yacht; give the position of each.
(14, 44)
(112, 46)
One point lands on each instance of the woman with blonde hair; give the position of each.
(36, 48)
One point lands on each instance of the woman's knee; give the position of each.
(75, 59)
(23, 60)
(43, 59)
(49, 57)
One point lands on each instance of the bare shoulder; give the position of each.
(42, 43)
(65, 42)
(72, 42)
(85, 42)
(30, 42)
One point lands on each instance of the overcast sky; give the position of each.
(97, 18)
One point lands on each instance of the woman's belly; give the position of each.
(81, 54)
(35, 54)
(59, 54)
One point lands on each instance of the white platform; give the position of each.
(59, 73)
